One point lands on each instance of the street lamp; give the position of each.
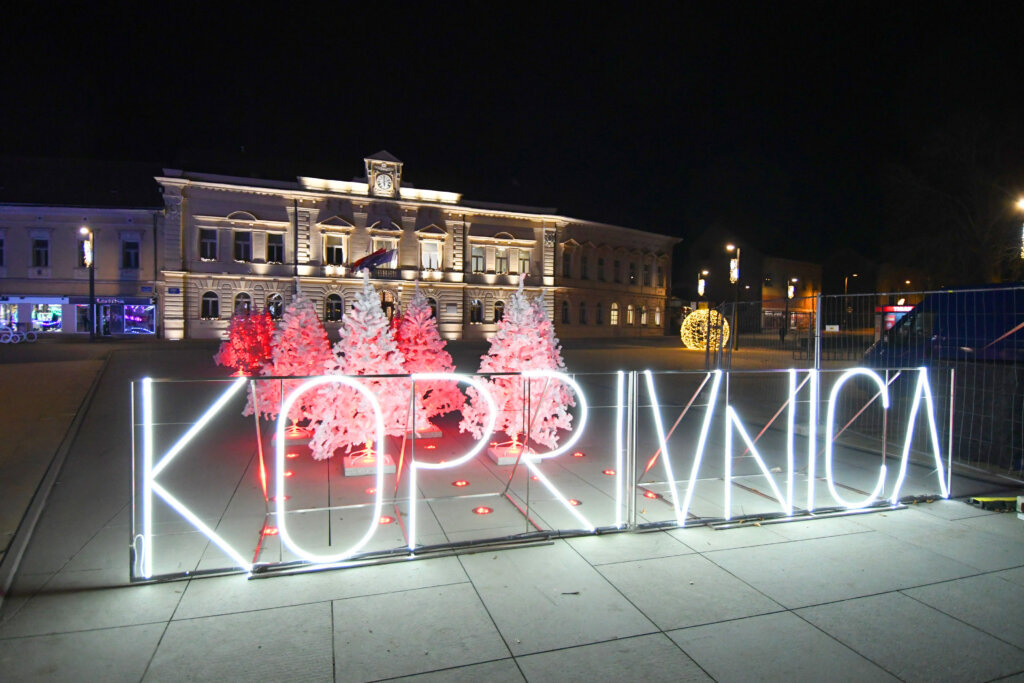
(846, 300)
(790, 292)
(1020, 205)
(90, 262)
(701, 283)
(734, 278)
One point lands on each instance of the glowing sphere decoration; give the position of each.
(696, 326)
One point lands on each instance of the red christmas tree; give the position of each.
(366, 347)
(424, 351)
(300, 349)
(525, 340)
(248, 344)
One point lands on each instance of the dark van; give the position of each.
(983, 324)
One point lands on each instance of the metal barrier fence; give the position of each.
(978, 333)
(215, 491)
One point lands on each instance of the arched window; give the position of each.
(613, 315)
(333, 308)
(243, 303)
(476, 311)
(209, 308)
(657, 317)
(599, 314)
(499, 310)
(643, 315)
(432, 302)
(630, 318)
(565, 312)
(275, 306)
(583, 313)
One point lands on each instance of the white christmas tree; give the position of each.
(300, 348)
(366, 347)
(525, 340)
(424, 351)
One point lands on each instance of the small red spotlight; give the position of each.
(289, 473)
(578, 454)
(371, 491)
(270, 531)
(610, 473)
(574, 502)
(535, 478)
(651, 494)
(482, 510)
(460, 483)
(494, 444)
(277, 499)
(386, 520)
(291, 456)
(431, 447)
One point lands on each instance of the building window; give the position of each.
(1, 250)
(83, 249)
(632, 273)
(334, 250)
(524, 261)
(477, 260)
(583, 313)
(643, 315)
(333, 308)
(501, 261)
(130, 255)
(275, 306)
(657, 317)
(565, 312)
(40, 253)
(430, 254)
(275, 248)
(617, 271)
(566, 263)
(476, 311)
(243, 304)
(499, 310)
(661, 277)
(630, 319)
(647, 275)
(613, 315)
(387, 244)
(243, 246)
(600, 269)
(209, 307)
(599, 314)
(207, 245)
(584, 268)
(433, 306)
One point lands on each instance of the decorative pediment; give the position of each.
(242, 216)
(336, 224)
(570, 243)
(384, 226)
(432, 230)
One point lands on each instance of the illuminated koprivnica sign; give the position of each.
(803, 387)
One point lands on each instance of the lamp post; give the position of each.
(846, 300)
(790, 292)
(90, 262)
(1020, 205)
(734, 278)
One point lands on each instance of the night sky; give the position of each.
(775, 122)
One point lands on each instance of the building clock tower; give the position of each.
(383, 174)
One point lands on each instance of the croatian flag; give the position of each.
(371, 261)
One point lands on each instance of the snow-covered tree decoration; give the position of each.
(247, 347)
(366, 347)
(424, 351)
(300, 349)
(525, 340)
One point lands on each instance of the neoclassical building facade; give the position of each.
(229, 243)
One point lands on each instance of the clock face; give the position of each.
(383, 183)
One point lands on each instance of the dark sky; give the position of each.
(773, 120)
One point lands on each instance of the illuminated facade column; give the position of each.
(548, 257)
(172, 303)
(306, 218)
(458, 242)
(174, 231)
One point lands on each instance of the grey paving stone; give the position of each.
(986, 602)
(704, 538)
(117, 654)
(913, 641)
(415, 631)
(686, 590)
(549, 597)
(801, 573)
(646, 658)
(500, 671)
(623, 547)
(1015, 575)
(289, 643)
(952, 509)
(773, 647)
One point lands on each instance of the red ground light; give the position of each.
(574, 502)
(370, 492)
(460, 483)
(386, 520)
(289, 473)
(578, 454)
(482, 510)
(291, 456)
(610, 473)
(651, 494)
(270, 531)
(279, 498)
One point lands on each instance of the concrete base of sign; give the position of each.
(360, 465)
(508, 454)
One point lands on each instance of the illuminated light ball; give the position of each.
(371, 491)
(578, 454)
(460, 483)
(651, 494)
(610, 473)
(482, 510)
(695, 328)
(291, 456)
(270, 531)
(386, 520)
(289, 473)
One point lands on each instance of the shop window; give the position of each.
(501, 261)
(243, 304)
(565, 312)
(139, 319)
(275, 306)
(583, 313)
(629, 315)
(477, 260)
(243, 246)
(430, 254)
(476, 311)
(130, 255)
(209, 308)
(599, 314)
(334, 250)
(499, 310)
(207, 245)
(40, 253)
(275, 248)
(613, 315)
(46, 317)
(333, 308)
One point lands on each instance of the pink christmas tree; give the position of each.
(248, 344)
(424, 351)
(300, 349)
(366, 347)
(525, 340)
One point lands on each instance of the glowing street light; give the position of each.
(90, 262)
(1020, 205)
(701, 282)
(734, 278)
